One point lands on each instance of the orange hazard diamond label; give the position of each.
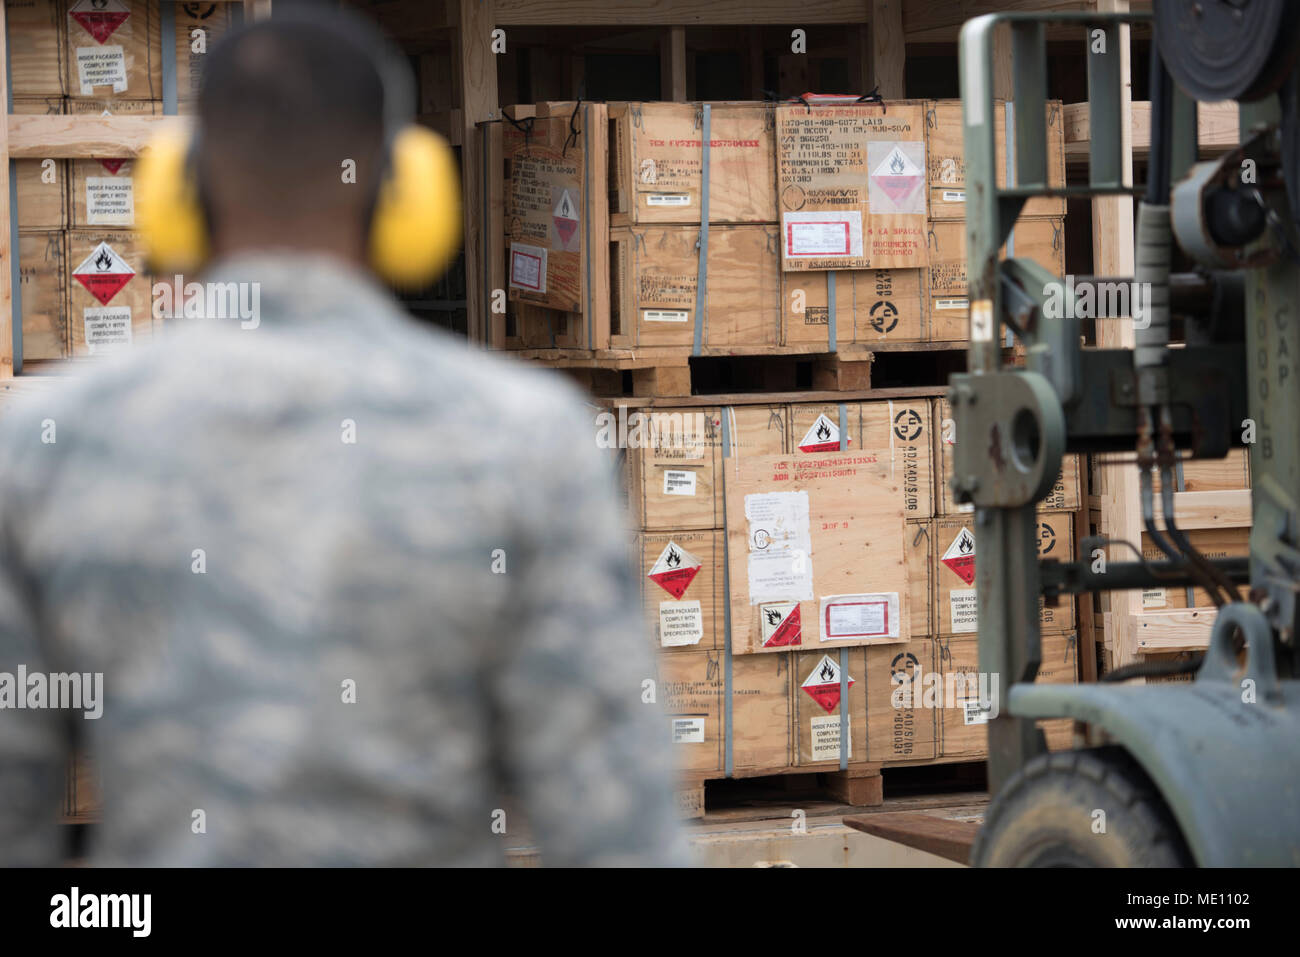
(103, 273)
(823, 683)
(781, 624)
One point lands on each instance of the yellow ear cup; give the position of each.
(167, 210)
(417, 227)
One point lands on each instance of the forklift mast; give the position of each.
(1229, 383)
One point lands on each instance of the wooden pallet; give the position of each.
(860, 785)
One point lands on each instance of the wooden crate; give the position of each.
(129, 307)
(1042, 240)
(851, 182)
(945, 150)
(816, 706)
(871, 305)
(557, 213)
(1064, 496)
(963, 730)
(198, 27)
(692, 689)
(657, 156)
(1210, 542)
(43, 280)
(954, 572)
(677, 485)
(654, 286)
(901, 426)
(815, 551)
(899, 726)
(120, 61)
(1210, 475)
(682, 581)
(42, 184)
(918, 544)
(37, 47)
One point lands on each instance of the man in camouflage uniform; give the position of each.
(351, 585)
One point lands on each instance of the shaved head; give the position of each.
(291, 136)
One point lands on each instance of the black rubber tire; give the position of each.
(1045, 816)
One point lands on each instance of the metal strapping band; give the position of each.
(168, 13)
(729, 760)
(702, 284)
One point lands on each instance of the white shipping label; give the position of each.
(828, 233)
(680, 623)
(780, 547)
(860, 616)
(1154, 598)
(107, 329)
(954, 196)
(665, 315)
(101, 66)
(962, 608)
(953, 302)
(110, 201)
(688, 730)
(973, 712)
(826, 737)
(528, 267)
(668, 199)
(679, 482)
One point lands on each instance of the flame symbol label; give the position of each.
(823, 432)
(773, 616)
(674, 558)
(896, 164)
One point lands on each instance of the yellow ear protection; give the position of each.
(415, 228)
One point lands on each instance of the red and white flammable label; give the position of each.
(675, 570)
(897, 176)
(960, 556)
(824, 436)
(112, 165)
(566, 221)
(781, 624)
(100, 17)
(823, 684)
(103, 273)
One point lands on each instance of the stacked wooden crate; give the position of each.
(84, 287)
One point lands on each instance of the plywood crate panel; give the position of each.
(692, 689)
(130, 307)
(815, 551)
(1066, 491)
(1210, 542)
(119, 59)
(918, 543)
(817, 706)
(899, 726)
(556, 210)
(962, 724)
(954, 572)
(113, 105)
(682, 581)
(871, 305)
(945, 148)
(1210, 475)
(654, 286)
(900, 426)
(1042, 240)
(657, 159)
(43, 279)
(198, 27)
(851, 183)
(42, 184)
(37, 47)
(677, 483)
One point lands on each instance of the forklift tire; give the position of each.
(1093, 808)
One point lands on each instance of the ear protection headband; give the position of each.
(415, 228)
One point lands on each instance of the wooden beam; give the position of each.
(1113, 255)
(754, 51)
(6, 251)
(477, 72)
(1216, 129)
(888, 47)
(1219, 509)
(83, 137)
(665, 13)
(1003, 75)
(860, 70)
(941, 836)
(672, 65)
(1178, 629)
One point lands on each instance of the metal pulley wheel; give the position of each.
(1228, 49)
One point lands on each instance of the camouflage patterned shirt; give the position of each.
(350, 584)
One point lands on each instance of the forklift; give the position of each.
(1199, 773)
